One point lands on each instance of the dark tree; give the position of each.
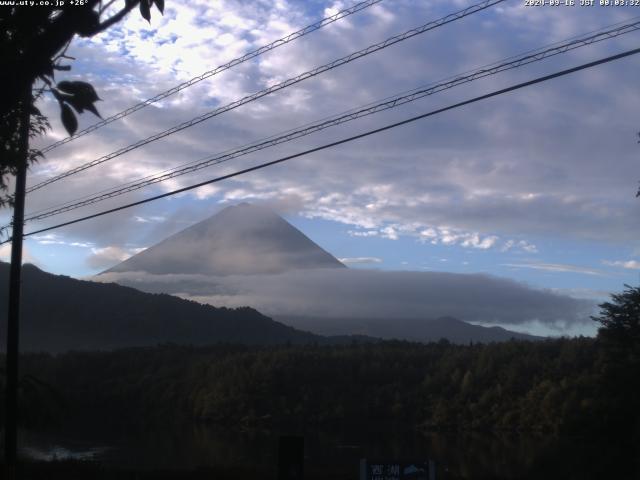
(620, 320)
(619, 339)
(33, 44)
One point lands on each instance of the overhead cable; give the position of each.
(344, 140)
(386, 104)
(274, 88)
(221, 68)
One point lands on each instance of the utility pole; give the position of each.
(15, 281)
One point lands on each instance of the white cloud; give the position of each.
(5, 252)
(27, 257)
(527, 247)
(628, 264)
(81, 244)
(429, 233)
(561, 328)
(519, 245)
(107, 256)
(49, 239)
(555, 267)
(434, 235)
(363, 233)
(57, 239)
(474, 241)
(389, 232)
(150, 219)
(360, 260)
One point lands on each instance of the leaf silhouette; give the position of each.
(75, 103)
(88, 22)
(82, 90)
(69, 119)
(160, 5)
(92, 108)
(145, 11)
(80, 95)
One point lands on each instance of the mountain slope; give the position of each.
(242, 239)
(416, 330)
(60, 313)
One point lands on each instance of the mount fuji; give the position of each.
(240, 240)
(247, 255)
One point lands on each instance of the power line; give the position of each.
(388, 103)
(279, 86)
(221, 68)
(610, 29)
(345, 140)
(582, 37)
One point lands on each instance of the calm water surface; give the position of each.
(468, 456)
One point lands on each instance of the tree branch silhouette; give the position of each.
(33, 46)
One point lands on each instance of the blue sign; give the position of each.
(378, 470)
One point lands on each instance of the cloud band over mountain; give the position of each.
(346, 293)
(247, 255)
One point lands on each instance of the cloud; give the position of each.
(81, 244)
(472, 171)
(107, 256)
(371, 294)
(365, 233)
(360, 260)
(475, 242)
(49, 239)
(155, 218)
(628, 264)
(438, 236)
(5, 252)
(586, 327)
(27, 257)
(519, 245)
(585, 293)
(555, 267)
(471, 178)
(58, 239)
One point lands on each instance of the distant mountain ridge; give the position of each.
(241, 239)
(60, 313)
(420, 330)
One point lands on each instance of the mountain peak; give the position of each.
(239, 240)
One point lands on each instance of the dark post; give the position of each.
(13, 318)
(291, 458)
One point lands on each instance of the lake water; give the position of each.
(468, 456)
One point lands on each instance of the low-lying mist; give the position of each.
(373, 294)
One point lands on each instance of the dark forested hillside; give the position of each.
(60, 313)
(550, 386)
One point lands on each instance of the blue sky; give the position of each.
(537, 186)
